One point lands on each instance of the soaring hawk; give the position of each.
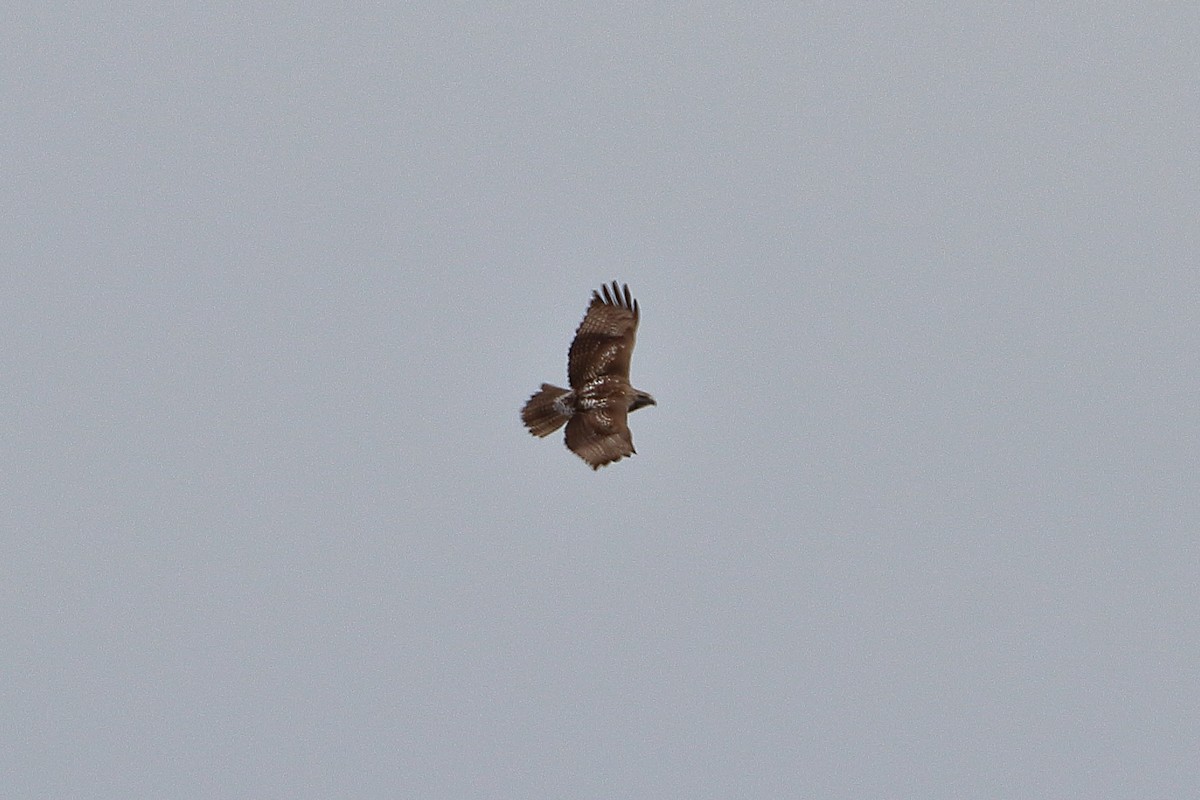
(598, 403)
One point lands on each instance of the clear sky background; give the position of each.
(916, 516)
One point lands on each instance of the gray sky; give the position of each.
(916, 515)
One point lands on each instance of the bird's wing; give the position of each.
(604, 341)
(600, 436)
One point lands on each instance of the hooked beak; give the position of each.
(641, 401)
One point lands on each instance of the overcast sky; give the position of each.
(916, 515)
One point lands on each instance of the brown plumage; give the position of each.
(597, 405)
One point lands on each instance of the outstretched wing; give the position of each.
(600, 436)
(603, 344)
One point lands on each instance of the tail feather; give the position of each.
(543, 415)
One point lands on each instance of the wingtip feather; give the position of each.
(615, 294)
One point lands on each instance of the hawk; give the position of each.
(596, 407)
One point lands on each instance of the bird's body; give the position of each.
(596, 407)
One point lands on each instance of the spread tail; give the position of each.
(547, 410)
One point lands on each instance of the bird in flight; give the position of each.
(596, 407)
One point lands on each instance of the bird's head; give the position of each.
(640, 400)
